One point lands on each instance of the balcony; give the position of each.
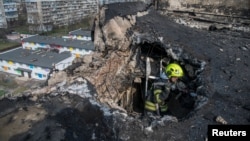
(32, 10)
(46, 7)
(46, 21)
(46, 14)
(10, 9)
(11, 16)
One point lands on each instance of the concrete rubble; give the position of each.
(119, 61)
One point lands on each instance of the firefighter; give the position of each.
(165, 88)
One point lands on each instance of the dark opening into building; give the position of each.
(179, 105)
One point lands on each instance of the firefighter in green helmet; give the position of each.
(164, 88)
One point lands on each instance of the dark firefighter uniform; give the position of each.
(163, 89)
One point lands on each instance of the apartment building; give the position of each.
(42, 15)
(3, 22)
(11, 12)
(8, 12)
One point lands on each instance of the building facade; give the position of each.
(37, 64)
(42, 15)
(3, 22)
(11, 11)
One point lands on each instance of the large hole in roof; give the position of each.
(179, 105)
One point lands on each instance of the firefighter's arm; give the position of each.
(157, 93)
(161, 93)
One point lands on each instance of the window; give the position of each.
(18, 71)
(77, 55)
(10, 62)
(71, 49)
(31, 66)
(40, 75)
(5, 68)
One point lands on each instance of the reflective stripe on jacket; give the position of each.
(152, 107)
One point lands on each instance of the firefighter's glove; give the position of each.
(157, 95)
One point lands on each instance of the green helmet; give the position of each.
(174, 70)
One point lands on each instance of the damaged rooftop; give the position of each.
(102, 97)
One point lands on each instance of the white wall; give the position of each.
(34, 46)
(36, 71)
(65, 63)
(83, 38)
(75, 51)
(79, 52)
